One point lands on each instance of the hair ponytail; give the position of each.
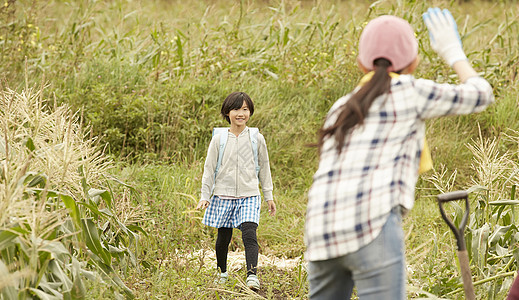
(356, 108)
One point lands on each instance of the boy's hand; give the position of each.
(443, 31)
(272, 207)
(202, 204)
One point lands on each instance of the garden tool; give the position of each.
(458, 233)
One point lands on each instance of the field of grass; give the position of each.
(147, 79)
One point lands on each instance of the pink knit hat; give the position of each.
(388, 37)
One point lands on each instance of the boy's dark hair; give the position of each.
(235, 101)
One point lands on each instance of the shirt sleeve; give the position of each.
(265, 177)
(435, 99)
(209, 168)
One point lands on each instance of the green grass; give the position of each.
(150, 76)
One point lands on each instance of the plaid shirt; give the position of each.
(353, 193)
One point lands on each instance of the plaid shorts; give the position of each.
(230, 213)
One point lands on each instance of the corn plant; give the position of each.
(58, 225)
(492, 233)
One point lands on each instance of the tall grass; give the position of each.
(147, 70)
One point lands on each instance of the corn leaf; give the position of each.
(93, 209)
(94, 194)
(42, 295)
(70, 204)
(93, 242)
(504, 202)
(5, 238)
(110, 274)
(58, 272)
(57, 250)
(499, 232)
(78, 289)
(480, 245)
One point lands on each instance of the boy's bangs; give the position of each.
(236, 103)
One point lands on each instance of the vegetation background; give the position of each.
(145, 81)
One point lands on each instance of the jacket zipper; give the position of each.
(237, 162)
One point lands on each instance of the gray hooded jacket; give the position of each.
(237, 175)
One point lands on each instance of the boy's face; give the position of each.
(240, 116)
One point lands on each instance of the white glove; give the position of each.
(445, 39)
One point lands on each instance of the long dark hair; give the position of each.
(356, 108)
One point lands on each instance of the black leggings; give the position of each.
(250, 242)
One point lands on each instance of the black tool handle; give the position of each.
(458, 232)
(451, 196)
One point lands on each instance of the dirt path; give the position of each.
(236, 260)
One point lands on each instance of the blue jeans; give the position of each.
(377, 269)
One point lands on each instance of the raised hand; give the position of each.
(443, 31)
